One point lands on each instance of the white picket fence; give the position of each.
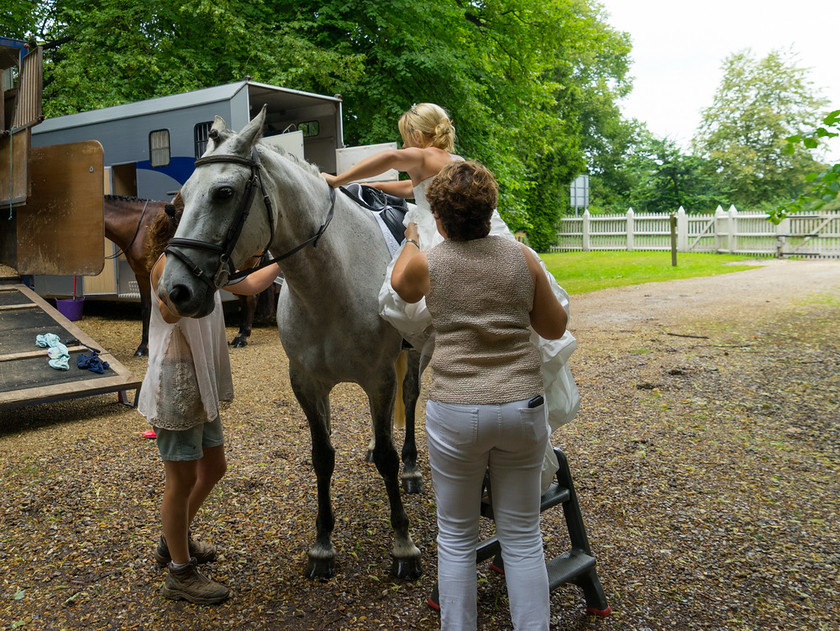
(728, 232)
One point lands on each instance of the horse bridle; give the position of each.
(223, 273)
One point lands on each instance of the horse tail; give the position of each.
(399, 405)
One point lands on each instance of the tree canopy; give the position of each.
(531, 87)
(654, 174)
(740, 154)
(758, 104)
(533, 90)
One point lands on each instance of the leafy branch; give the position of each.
(824, 185)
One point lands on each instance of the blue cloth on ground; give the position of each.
(47, 339)
(91, 362)
(56, 351)
(59, 357)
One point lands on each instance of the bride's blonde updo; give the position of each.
(427, 125)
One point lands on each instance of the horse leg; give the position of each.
(412, 480)
(247, 308)
(314, 399)
(405, 555)
(144, 285)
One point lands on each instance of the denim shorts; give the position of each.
(189, 444)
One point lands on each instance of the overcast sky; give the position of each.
(678, 49)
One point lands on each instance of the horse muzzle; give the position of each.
(184, 292)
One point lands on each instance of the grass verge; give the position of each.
(580, 272)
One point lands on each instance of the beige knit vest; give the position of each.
(480, 296)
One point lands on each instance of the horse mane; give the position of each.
(303, 164)
(129, 198)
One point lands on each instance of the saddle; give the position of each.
(390, 208)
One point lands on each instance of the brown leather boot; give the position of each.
(190, 584)
(201, 551)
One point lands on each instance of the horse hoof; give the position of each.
(239, 342)
(408, 568)
(141, 352)
(412, 485)
(320, 569)
(369, 455)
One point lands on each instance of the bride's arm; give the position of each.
(406, 160)
(402, 188)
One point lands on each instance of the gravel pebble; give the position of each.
(704, 456)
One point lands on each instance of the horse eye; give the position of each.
(224, 192)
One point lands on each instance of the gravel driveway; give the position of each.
(705, 457)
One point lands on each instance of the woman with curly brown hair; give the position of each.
(485, 411)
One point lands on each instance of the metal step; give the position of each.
(555, 495)
(562, 569)
(577, 566)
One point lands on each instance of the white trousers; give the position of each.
(465, 441)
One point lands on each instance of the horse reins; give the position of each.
(313, 240)
(223, 274)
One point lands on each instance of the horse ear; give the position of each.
(218, 133)
(218, 129)
(252, 132)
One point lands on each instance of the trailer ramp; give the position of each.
(25, 376)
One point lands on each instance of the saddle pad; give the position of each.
(391, 210)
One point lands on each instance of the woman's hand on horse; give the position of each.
(331, 179)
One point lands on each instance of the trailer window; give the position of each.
(159, 148)
(201, 133)
(309, 128)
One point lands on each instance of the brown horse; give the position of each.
(127, 220)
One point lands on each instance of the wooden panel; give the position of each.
(16, 171)
(61, 228)
(106, 281)
(30, 87)
(25, 376)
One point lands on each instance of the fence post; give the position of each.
(782, 234)
(682, 230)
(586, 219)
(672, 222)
(630, 229)
(732, 228)
(719, 214)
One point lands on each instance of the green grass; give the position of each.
(580, 272)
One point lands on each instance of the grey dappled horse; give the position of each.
(244, 197)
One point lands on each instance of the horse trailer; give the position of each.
(150, 148)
